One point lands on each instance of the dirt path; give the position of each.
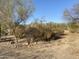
(65, 48)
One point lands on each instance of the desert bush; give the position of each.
(48, 34)
(48, 31)
(73, 27)
(19, 31)
(32, 35)
(38, 32)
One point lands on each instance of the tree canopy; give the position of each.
(14, 12)
(72, 15)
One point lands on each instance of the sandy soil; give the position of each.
(65, 48)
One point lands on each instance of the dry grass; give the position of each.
(65, 48)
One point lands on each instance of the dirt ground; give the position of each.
(64, 48)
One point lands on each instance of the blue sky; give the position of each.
(52, 10)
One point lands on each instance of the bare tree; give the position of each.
(14, 13)
(72, 16)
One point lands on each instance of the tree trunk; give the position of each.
(0, 30)
(16, 42)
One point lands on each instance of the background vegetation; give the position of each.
(10, 25)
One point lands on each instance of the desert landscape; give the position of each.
(64, 48)
(39, 29)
